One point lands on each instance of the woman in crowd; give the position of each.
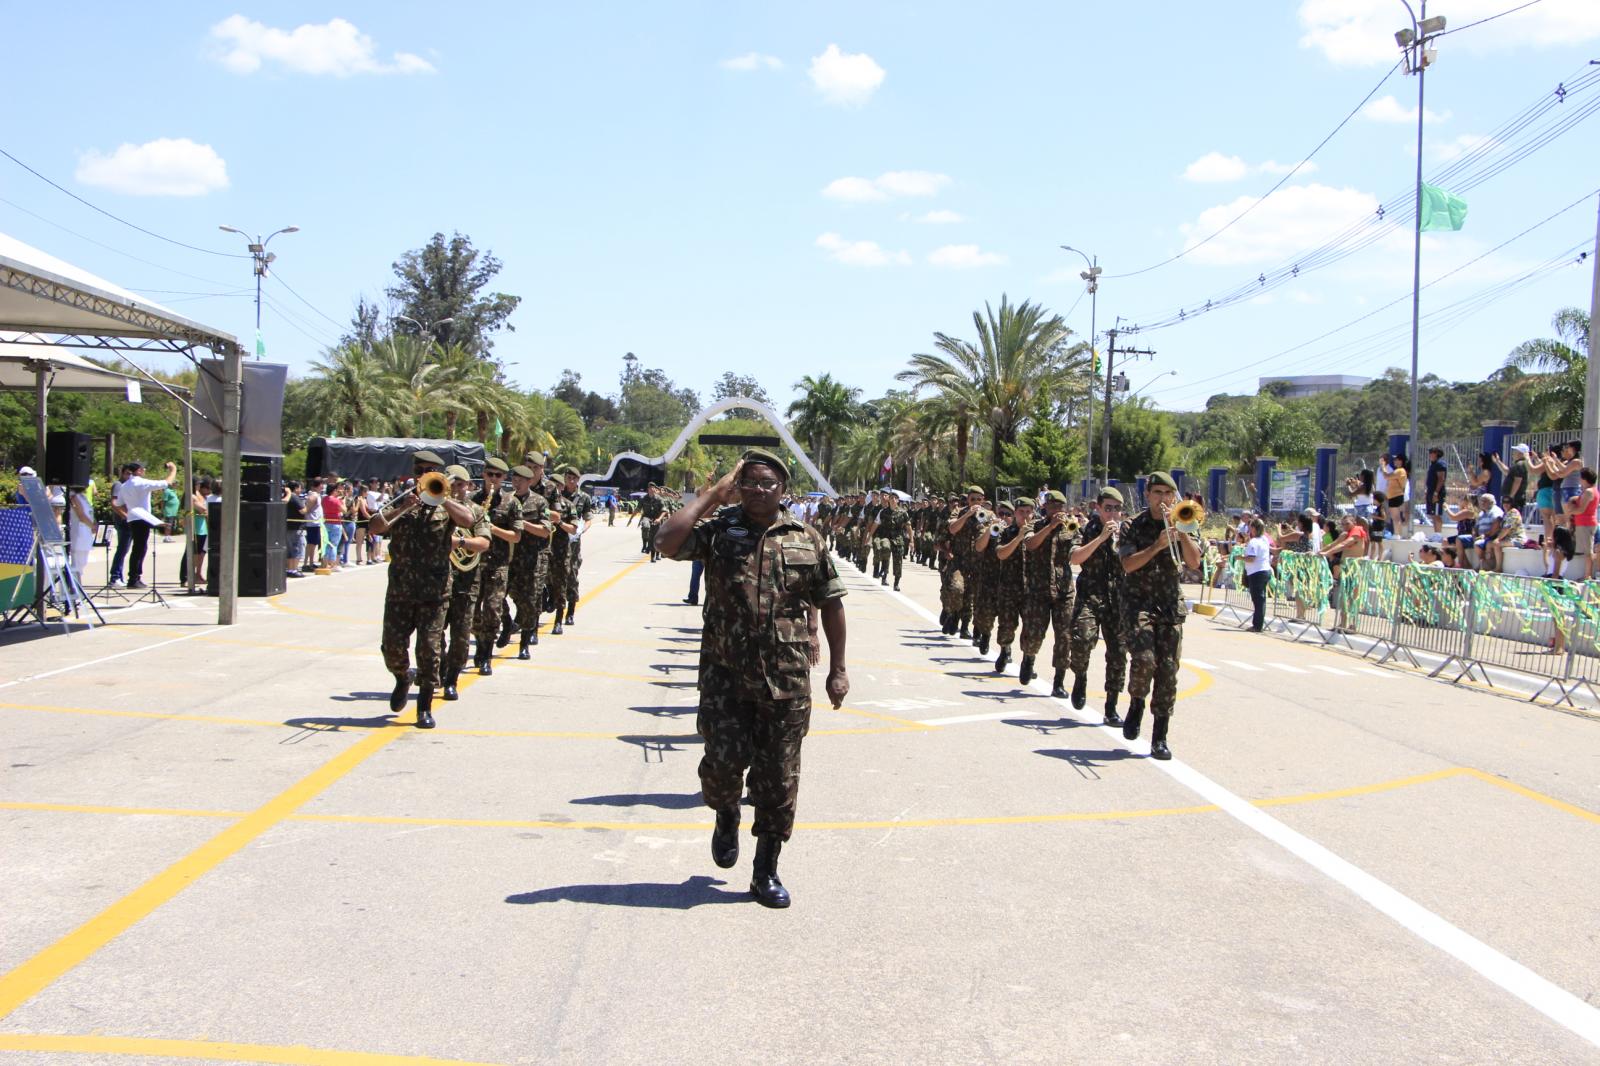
(1396, 482)
(1258, 572)
(332, 528)
(1581, 510)
(1362, 494)
(1465, 516)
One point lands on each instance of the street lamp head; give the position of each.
(1432, 26)
(290, 229)
(1405, 38)
(230, 229)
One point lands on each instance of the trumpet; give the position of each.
(432, 488)
(1186, 517)
(996, 529)
(1071, 525)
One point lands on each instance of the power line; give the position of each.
(107, 247)
(117, 218)
(298, 324)
(1280, 183)
(337, 324)
(1491, 18)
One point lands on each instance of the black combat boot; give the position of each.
(571, 609)
(1058, 688)
(1158, 738)
(965, 631)
(522, 650)
(1112, 717)
(1130, 725)
(1003, 660)
(764, 883)
(725, 839)
(982, 644)
(450, 685)
(884, 580)
(425, 707)
(555, 629)
(944, 621)
(897, 584)
(1026, 673)
(402, 689)
(1080, 692)
(486, 661)
(505, 631)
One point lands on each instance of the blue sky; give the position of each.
(788, 190)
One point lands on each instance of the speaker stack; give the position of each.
(263, 530)
(67, 458)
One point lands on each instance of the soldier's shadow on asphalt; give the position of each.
(664, 667)
(336, 724)
(998, 695)
(668, 712)
(670, 801)
(357, 696)
(1087, 760)
(697, 891)
(654, 748)
(1045, 727)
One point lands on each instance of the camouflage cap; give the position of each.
(457, 472)
(766, 458)
(1110, 492)
(522, 471)
(1161, 478)
(426, 456)
(496, 463)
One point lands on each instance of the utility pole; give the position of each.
(1092, 277)
(1591, 389)
(261, 259)
(1112, 351)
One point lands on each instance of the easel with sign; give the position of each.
(55, 585)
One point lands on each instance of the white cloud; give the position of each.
(752, 61)
(860, 253)
(1388, 109)
(1292, 220)
(1361, 32)
(334, 47)
(1216, 167)
(887, 186)
(845, 78)
(1452, 150)
(938, 218)
(163, 167)
(962, 256)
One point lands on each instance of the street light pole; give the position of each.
(262, 259)
(1146, 385)
(1092, 277)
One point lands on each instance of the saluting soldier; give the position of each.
(1098, 610)
(505, 531)
(468, 543)
(650, 509)
(768, 576)
(530, 561)
(986, 573)
(419, 585)
(1010, 583)
(893, 529)
(580, 505)
(1048, 603)
(1153, 609)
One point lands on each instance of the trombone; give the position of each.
(1187, 518)
(431, 488)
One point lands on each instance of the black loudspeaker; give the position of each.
(68, 457)
(261, 478)
(263, 544)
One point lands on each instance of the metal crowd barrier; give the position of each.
(1466, 620)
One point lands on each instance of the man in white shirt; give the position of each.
(1258, 571)
(134, 496)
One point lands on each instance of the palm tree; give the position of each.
(1020, 361)
(1562, 363)
(822, 414)
(425, 387)
(351, 392)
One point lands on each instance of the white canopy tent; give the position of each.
(48, 306)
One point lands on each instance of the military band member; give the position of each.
(1010, 583)
(563, 535)
(466, 543)
(1153, 609)
(963, 535)
(650, 511)
(581, 506)
(1098, 610)
(419, 536)
(505, 531)
(525, 584)
(986, 576)
(768, 577)
(1048, 604)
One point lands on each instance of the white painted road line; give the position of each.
(963, 719)
(1197, 663)
(1546, 997)
(1243, 666)
(1333, 670)
(1286, 668)
(105, 658)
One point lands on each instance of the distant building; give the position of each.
(1311, 384)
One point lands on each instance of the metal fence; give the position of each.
(1461, 622)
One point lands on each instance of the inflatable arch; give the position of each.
(694, 426)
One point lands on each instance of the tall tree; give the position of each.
(1562, 363)
(350, 393)
(823, 413)
(446, 280)
(742, 385)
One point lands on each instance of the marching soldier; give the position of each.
(650, 509)
(1010, 585)
(986, 575)
(893, 530)
(1049, 581)
(1098, 610)
(767, 577)
(466, 558)
(419, 584)
(563, 531)
(1153, 609)
(822, 521)
(580, 506)
(505, 531)
(963, 535)
(529, 563)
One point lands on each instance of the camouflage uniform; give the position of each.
(963, 582)
(986, 582)
(822, 521)
(952, 587)
(463, 600)
(894, 531)
(755, 658)
(419, 586)
(1099, 611)
(1152, 611)
(1048, 603)
(558, 575)
(650, 510)
(1010, 587)
(580, 505)
(495, 567)
(529, 565)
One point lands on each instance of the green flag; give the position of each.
(261, 346)
(499, 430)
(1440, 210)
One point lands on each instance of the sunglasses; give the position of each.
(764, 485)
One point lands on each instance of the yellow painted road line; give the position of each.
(907, 722)
(98, 808)
(1540, 797)
(1364, 790)
(42, 970)
(216, 1051)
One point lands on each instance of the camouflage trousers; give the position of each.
(402, 618)
(751, 731)
(985, 601)
(491, 607)
(526, 589)
(574, 564)
(458, 626)
(647, 536)
(952, 588)
(556, 579)
(1009, 600)
(1040, 612)
(1092, 618)
(1154, 648)
(890, 556)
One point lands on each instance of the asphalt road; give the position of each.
(220, 847)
